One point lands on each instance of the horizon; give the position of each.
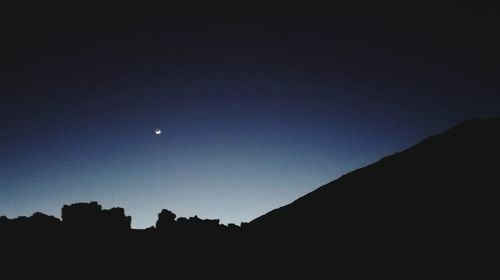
(256, 105)
(243, 222)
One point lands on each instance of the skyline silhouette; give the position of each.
(249, 140)
(427, 211)
(94, 213)
(257, 103)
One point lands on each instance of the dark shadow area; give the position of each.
(429, 212)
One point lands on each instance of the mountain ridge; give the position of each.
(428, 211)
(437, 196)
(383, 160)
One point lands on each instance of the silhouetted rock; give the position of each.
(195, 224)
(4, 223)
(428, 212)
(37, 224)
(42, 220)
(232, 226)
(81, 215)
(243, 224)
(420, 213)
(91, 217)
(166, 220)
(115, 219)
(3, 220)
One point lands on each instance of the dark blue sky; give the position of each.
(259, 105)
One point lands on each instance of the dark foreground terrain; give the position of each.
(429, 212)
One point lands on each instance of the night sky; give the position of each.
(258, 104)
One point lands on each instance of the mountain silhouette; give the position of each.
(427, 212)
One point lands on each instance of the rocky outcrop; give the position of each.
(91, 217)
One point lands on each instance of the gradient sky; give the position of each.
(258, 104)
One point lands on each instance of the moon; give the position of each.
(157, 131)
